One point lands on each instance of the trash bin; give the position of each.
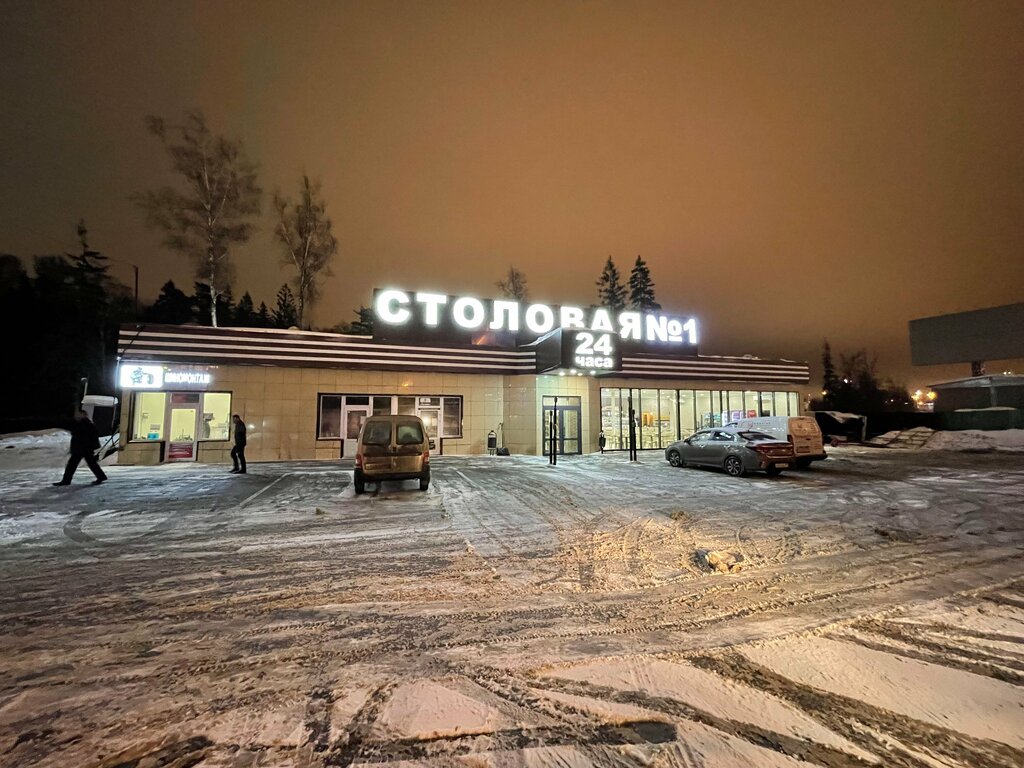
(492, 442)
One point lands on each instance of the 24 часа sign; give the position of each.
(587, 338)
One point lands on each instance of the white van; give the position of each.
(802, 431)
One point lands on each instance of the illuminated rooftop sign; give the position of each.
(434, 310)
(140, 376)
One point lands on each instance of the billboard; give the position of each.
(964, 337)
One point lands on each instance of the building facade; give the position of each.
(303, 395)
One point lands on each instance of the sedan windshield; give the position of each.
(756, 436)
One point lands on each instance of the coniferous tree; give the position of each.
(172, 306)
(245, 312)
(286, 314)
(363, 325)
(828, 379)
(610, 292)
(226, 305)
(263, 317)
(641, 288)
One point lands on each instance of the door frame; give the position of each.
(560, 445)
(197, 407)
(348, 445)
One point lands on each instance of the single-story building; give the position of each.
(468, 367)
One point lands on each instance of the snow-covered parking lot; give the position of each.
(517, 614)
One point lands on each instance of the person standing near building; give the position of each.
(85, 441)
(238, 452)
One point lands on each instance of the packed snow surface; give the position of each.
(515, 614)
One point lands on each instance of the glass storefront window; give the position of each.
(704, 415)
(767, 404)
(148, 417)
(451, 417)
(794, 404)
(687, 422)
(216, 418)
(716, 408)
(668, 420)
(381, 406)
(407, 406)
(751, 406)
(330, 417)
(611, 418)
(647, 419)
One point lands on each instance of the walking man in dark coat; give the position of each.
(238, 452)
(85, 441)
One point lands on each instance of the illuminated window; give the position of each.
(687, 419)
(667, 417)
(612, 418)
(330, 417)
(148, 415)
(216, 423)
(451, 417)
(705, 416)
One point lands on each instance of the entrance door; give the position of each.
(431, 417)
(567, 427)
(183, 429)
(355, 415)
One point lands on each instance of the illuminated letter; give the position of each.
(629, 325)
(501, 307)
(572, 317)
(385, 311)
(468, 313)
(691, 328)
(657, 328)
(532, 321)
(431, 302)
(601, 321)
(675, 330)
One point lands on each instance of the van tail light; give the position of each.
(359, 460)
(426, 456)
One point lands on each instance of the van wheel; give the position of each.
(675, 459)
(803, 463)
(424, 483)
(772, 471)
(358, 483)
(734, 466)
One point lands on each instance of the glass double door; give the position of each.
(567, 429)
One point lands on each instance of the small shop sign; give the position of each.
(140, 376)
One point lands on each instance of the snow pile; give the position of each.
(43, 448)
(1008, 440)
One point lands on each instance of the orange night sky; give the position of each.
(789, 170)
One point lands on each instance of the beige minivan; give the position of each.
(392, 448)
(802, 431)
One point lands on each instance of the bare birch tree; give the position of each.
(217, 208)
(304, 230)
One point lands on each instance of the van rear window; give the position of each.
(377, 433)
(409, 434)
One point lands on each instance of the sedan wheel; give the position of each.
(675, 459)
(734, 466)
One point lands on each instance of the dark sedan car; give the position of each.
(737, 451)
